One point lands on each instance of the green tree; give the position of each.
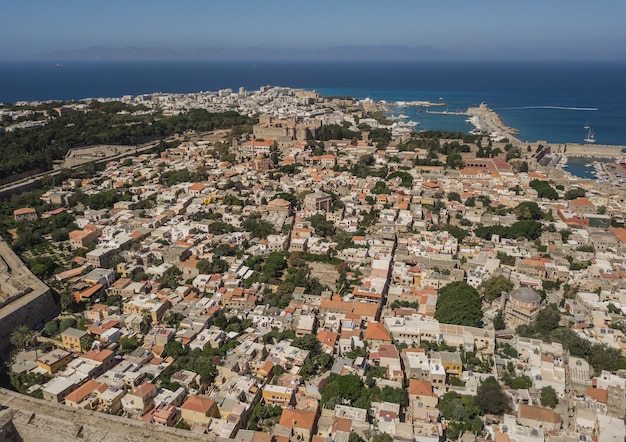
(86, 342)
(22, 336)
(454, 161)
(461, 412)
(548, 319)
(174, 349)
(544, 189)
(322, 227)
(259, 228)
(454, 196)
(217, 265)
(354, 437)
(528, 210)
(457, 232)
(529, 229)
(66, 323)
(521, 382)
(574, 192)
(51, 328)
(548, 397)
(491, 398)
(307, 342)
(128, 345)
(382, 437)
(494, 286)
(498, 321)
(459, 303)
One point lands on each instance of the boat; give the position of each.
(586, 126)
(591, 137)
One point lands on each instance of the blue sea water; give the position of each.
(549, 101)
(579, 166)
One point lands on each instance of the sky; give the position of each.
(559, 28)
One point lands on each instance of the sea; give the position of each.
(548, 100)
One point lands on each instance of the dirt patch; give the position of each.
(326, 273)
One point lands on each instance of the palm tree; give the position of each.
(22, 337)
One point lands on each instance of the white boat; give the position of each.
(586, 126)
(591, 137)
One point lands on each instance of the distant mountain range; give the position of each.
(391, 52)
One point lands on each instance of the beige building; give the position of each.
(198, 410)
(522, 307)
(278, 395)
(538, 417)
(25, 214)
(54, 360)
(83, 238)
(318, 201)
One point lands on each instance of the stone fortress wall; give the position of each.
(23, 418)
(589, 150)
(24, 299)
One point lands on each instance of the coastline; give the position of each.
(487, 121)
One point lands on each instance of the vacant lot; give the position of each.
(326, 273)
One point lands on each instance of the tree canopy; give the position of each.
(459, 303)
(544, 189)
(491, 398)
(528, 228)
(528, 210)
(494, 286)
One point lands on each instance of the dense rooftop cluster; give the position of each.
(330, 275)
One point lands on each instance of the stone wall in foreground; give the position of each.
(37, 420)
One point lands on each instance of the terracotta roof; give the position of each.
(197, 186)
(144, 389)
(538, 413)
(200, 404)
(421, 388)
(342, 424)
(24, 211)
(364, 309)
(298, 419)
(98, 356)
(377, 331)
(261, 142)
(598, 394)
(83, 391)
(388, 351)
(260, 436)
(327, 337)
(620, 233)
(581, 202)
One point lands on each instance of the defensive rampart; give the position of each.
(589, 150)
(24, 299)
(28, 419)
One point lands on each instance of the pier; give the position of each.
(446, 112)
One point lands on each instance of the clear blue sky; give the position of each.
(563, 28)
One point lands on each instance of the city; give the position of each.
(324, 273)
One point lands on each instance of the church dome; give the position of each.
(526, 295)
